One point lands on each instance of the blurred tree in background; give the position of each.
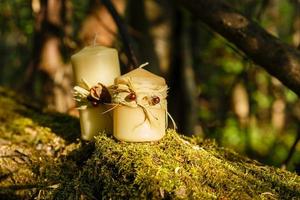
(216, 91)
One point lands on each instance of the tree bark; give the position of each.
(182, 79)
(277, 58)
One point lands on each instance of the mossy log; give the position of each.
(41, 157)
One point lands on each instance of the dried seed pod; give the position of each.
(96, 91)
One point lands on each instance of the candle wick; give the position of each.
(143, 65)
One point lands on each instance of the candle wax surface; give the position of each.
(130, 124)
(141, 76)
(92, 122)
(95, 64)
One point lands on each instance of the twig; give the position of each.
(123, 33)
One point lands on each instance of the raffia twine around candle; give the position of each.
(144, 98)
(80, 94)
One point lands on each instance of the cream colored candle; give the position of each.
(141, 114)
(94, 64)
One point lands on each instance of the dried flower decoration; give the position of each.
(129, 94)
(86, 95)
(99, 94)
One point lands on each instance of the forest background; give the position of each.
(216, 91)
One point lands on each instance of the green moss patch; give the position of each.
(30, 153)
(176, 168)
(40, 158)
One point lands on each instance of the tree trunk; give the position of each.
(183, 92)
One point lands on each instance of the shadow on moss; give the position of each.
(65, 126)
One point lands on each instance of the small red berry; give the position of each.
(155, 100)
(131, 97)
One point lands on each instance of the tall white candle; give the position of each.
(94, 64)
(141, 114)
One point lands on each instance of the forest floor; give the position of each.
(41, 157)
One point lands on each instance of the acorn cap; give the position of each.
(140, 76)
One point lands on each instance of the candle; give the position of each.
(140, 114)
(92, 65)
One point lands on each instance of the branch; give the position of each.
(123, 33)
(277, 58)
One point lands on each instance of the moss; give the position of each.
(30, 153)
(38, 160)
(175, 168)
(19, 113)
